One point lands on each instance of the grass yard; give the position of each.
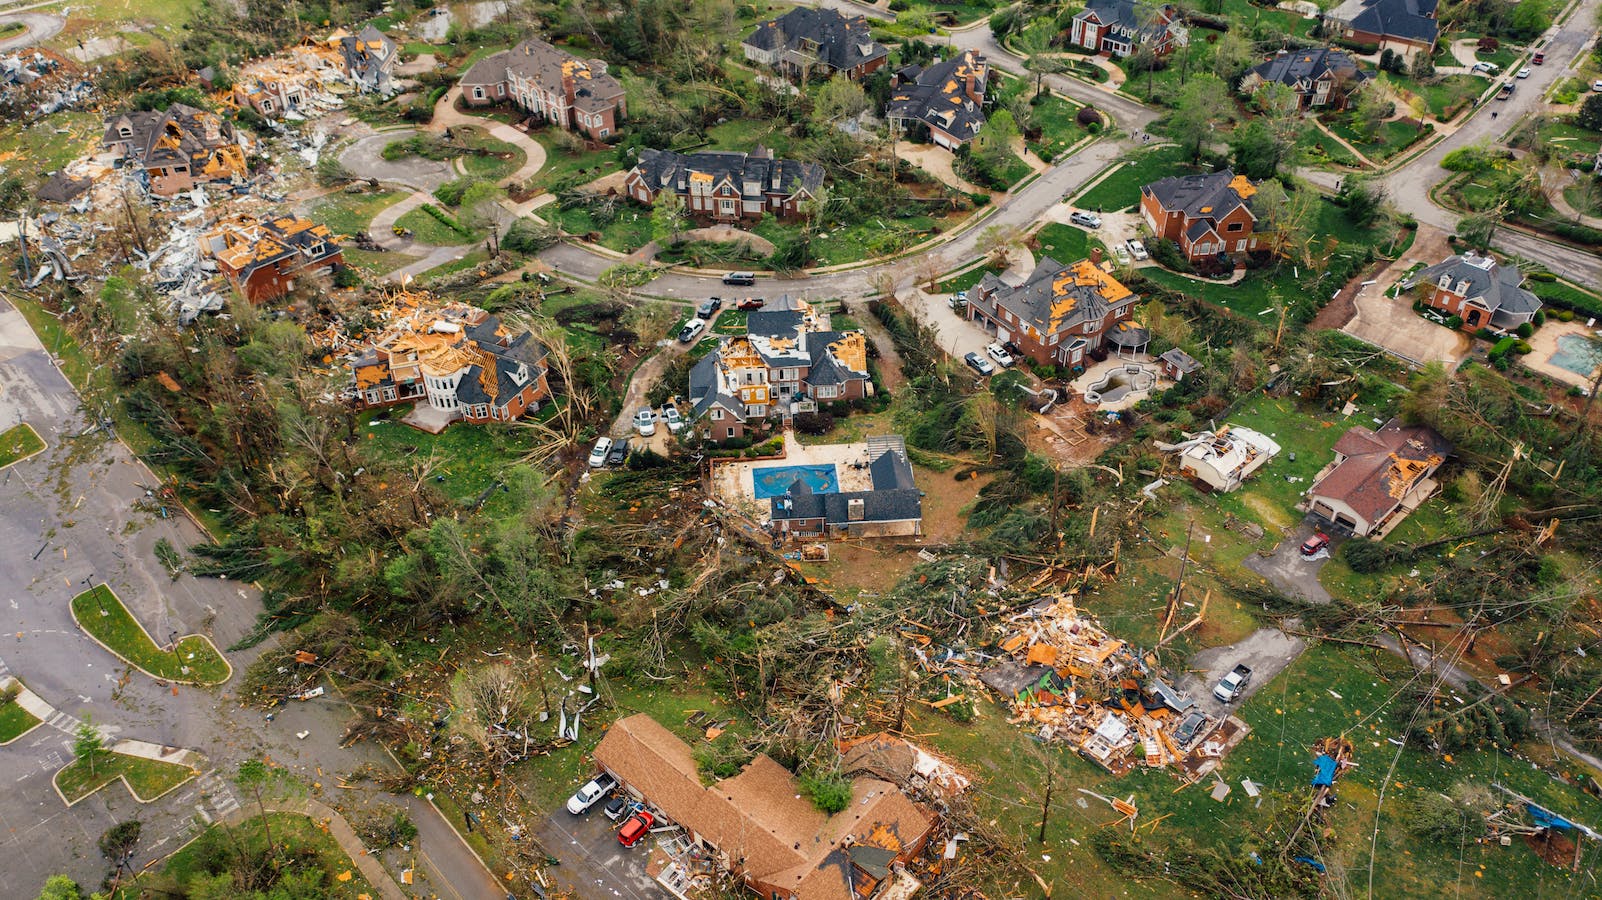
(1502, 57)
(966, 280)
(1390, 139)
(427, 229)
(147, 779)
(508, 158)
(1121, 189)
(630, 231)
(19, 442)
(194, 660)
(15, 722)
(351, 213)
(471, 458)
(306, 841)
(50, 143)
(744, 134)
(1444, 97)
(1064, 243)
(567, 165)
(1321, 148)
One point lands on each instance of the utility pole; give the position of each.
(1045, 803)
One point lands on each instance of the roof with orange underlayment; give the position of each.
(939, 96)
(552, 69)
(1380, 467)
(1055, 297)
(1207, 197)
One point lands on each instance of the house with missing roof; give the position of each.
(944, 103)
(1225, 458)
(458, 361)
(1121, 27)
(818, 43)
(1404, 26)
(723, 186)
(368, 57)
(1376, 478)
(1321, 77)
(760, 826)
(550, 84)
(176, 148)
(1477, 289)
(1059, 314)
(788, 361)
(1209, 216)
(264, 259)
(891, 506)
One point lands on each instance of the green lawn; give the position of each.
(966, 280)
(19, 442)
(147, 779)
(744, 134)
(15, 722)
(469, 458)
(351, 213)
(508, 159)
(1121, 189)
(306, 841)
(1503, 56)
(1446, 96)
(568, 165)
(1064, 243)
(630, 231)
(1320, 147)
(427, 229)
(1390, 139)
(193, 661)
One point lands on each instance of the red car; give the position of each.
(636, 828)
(750, 303)
(1317, 542)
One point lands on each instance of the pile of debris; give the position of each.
(42, 82)
(1074, 683)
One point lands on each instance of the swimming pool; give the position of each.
(775, 481)
(1576, 353)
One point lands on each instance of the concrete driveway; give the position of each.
(958, 336)
(1291, 572)
(1391, 323)
(42, 26)
(1268, 651)
(593, 863)
(365, 159)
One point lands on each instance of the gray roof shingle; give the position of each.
(841, 42)
(663, 168)
(939, 96)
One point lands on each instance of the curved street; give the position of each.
(41, 27)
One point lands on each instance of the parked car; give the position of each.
(957, 300)
(691, 330)
(1000, 355)
(1317, 542)
(750, 303)
(1189, 727)
(674, 421)
(619, 454)
(1013, 350)
(979, 363)
(709, 308)
(1597, 86)
(1230, 687)
(740, 278)
(1122, 252)
(636, 828)
(1088, 220)
(616, 807)
(599, 452)
(1523, 73)
(645, 422)
(591, 793)
(1138, 250)
(1539, 58)
(1487, 68)
(1506, 91)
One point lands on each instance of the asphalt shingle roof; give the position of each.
(1380, 466)
(842, 42)
(662, 168)
(1408, 19)
(938, 97)
(1490, 282)
(1300, 68)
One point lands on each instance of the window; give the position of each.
(1235, 226)
(478, 93)
(717, 415)
(604, 132)
(827, 391)
(731, 431)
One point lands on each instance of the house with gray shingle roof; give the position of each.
(1477, 289)
(816, 43)
(176, 148)
(1059, 314)
(892, 506)
(724, 186)
(1208, 216)
(1320, 77)
(550, 84)
(1121, 27)
(1405, 26)
(946, 101)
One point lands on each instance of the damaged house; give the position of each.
(1209, 216)
(816, 43)
(264, 258)
(1224, 459)
(176, 148)
(787, 361)
(458, 362)
(891, 505)
(550, 84)
(1376, 478)
(760, 826)
(943, 103)
(1059, 314)
(368, 58)
(723, 186)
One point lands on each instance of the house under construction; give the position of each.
(176, 148)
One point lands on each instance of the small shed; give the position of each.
(1176, 364)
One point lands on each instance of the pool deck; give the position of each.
(1099, 370)
(733, 484)
(1544, 343)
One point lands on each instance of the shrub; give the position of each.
(1454, 322)
(1563, 315)
(1522, 347)
(829, 793)
(1366, 556)
(1579, 234)
(347, 277)
(814, 423)
(450, 193)
(1525, 330)
(1540, 317)
(1545, 277)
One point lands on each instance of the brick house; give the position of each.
(1320, 77)
(722, 186)
(1121, 27)
(1405, 26)
(1058, 315)
(760, 826)
(1208, 216)
(1175, 364)
(1477, 289)
(176, 148)
(816, 42)
(787, 359)
(944, 103)
(1376, 478)
(459, 359)
(891, 506)
(263, 259)
(550, 84)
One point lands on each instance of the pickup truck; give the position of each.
(1230, 688)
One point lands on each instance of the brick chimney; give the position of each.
(1095, 256)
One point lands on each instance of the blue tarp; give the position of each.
(1548, 819)
(1311, 861)
(1324, 776)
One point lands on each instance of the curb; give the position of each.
(153, 643)
(44, 445)
(193, 774)
(24, 693)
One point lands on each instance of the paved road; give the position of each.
(1268, 651)
(365, 159)
(41, 27)
(68, 520)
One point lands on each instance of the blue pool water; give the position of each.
(1577, 354)
(775, 481)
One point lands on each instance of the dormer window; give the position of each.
(1446, 282)
(125, 131)
(1462, 288)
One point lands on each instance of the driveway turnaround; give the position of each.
(1290, 571)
